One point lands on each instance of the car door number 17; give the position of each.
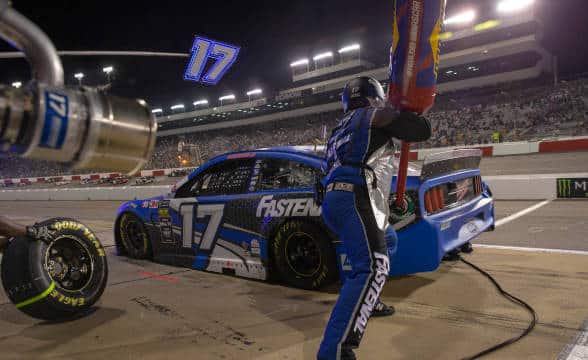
(214, 211)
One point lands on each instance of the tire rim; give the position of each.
(303, 254)
(133, 233)
(69, 263)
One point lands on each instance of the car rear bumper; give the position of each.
(421, 246)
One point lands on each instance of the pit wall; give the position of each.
(515, 148)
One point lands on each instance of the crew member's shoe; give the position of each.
(381, 309)
(467, 248)
(453, 255)
(347, 354)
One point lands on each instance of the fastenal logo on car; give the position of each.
(572, 188)
(287, 207)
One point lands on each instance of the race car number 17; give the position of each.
(214, 213)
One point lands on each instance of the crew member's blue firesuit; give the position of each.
(355, 204)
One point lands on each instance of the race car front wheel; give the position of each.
(59, 279)
(303, 255)
(134, 237)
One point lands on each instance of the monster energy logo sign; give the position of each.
(572, 188)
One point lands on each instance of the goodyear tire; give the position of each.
(59, 280)
(303, 255)
(133, 237)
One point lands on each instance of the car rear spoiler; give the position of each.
(448, 162)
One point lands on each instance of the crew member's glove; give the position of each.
(411, 127)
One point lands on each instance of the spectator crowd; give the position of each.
(466, 118)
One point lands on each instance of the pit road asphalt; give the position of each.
(446, 314)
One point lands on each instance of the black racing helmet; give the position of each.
(358, 92)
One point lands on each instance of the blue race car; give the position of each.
(253, 214)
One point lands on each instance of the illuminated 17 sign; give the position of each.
(222, 55)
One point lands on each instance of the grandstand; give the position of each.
(494, 78)
(482, 56)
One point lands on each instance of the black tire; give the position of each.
(56, 281)
(134, 237)
(303, 255)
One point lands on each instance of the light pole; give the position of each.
(108, 70)
(79, 76)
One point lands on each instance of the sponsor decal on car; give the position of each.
(165, 227)
(445, 225)
(345, 263)
(255, 248)
(270, 207)
(163, 212)
(472, 227)
(153, 204)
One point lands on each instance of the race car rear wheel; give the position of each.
(134, 237)
(56, 280)
(303, 255)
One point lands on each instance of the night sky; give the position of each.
(272, 33)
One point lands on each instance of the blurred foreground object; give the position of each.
(414, 59)
(81, 126)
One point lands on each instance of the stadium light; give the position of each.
(461, 18)
(157, 111)
(107, 70)
(299, 63)
(177, 107)
(200, 102)
(16, 84)
(227, 97)
(507, 6)
(324, 55)
(79, 76)
(254, 92)
(349, 48)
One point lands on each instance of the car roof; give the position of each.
(312, 151)
(299, 151)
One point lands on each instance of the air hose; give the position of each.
(512, 299)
